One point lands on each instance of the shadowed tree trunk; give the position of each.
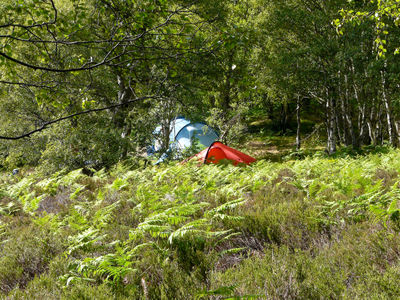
(298, 140)
(284, 117)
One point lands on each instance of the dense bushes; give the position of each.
(315, 228)
(91, 141)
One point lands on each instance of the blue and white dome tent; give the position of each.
(183, 132)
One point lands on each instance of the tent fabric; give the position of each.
(183, 132)
(196, 130)
(176, 127)
(218, 151)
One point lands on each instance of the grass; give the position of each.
(319, 227)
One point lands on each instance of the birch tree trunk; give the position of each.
(331, 123)
(346, 115)
(370, 123)
(392, 138)
(397, 126)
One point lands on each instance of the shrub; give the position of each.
(312, 228)
(339, 268)
(25, 254)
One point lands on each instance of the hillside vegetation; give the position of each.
(320, 227)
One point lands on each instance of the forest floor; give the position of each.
(263, 141)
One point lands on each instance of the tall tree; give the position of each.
(83, 56)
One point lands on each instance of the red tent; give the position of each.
(218, 151)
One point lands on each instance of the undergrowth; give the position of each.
(313, 228)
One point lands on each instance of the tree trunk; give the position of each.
(120, 115)
(340, 117)
(338, 131)
(370, 123)
(331, 124)
(298, 140)
(125, 136)
(359, 136)
(397, 126)
(379, 130)
(347, 117)
(284, 117)
(226, 93)
(372, 133)
(119, 118)
(392, 138)
(346, 130)
(165, 131)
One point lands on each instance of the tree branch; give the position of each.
(45, 125)
(83, 68)
(26, 84)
